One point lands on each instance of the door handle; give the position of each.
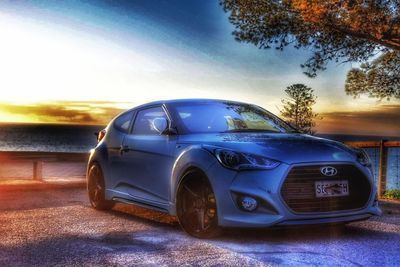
(123, 149)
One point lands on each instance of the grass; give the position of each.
(392, 194)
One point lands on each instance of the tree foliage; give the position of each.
(338, 30)
(297, 108)
(379, 79)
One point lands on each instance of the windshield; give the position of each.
(218, 117)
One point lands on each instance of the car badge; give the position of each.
(328, 171)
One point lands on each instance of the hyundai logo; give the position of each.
(328, 171)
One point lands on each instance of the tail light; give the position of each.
(101, 135)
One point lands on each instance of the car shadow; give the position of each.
(240, 235)
(161, 247)
(302, 233)
(143, 215)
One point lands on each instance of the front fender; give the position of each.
(191, 157)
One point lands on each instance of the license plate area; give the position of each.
(332, 188)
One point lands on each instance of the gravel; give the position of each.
(57, 227)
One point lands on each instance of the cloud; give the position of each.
(94, 113)
(383, 120)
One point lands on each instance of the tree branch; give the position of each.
(393, 43)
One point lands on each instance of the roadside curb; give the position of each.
(42, 185)
(390, 206)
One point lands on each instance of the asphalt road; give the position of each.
(57, 227)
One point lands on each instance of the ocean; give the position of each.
(48, 137)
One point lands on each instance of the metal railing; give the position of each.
(382, 153)
(37, 160)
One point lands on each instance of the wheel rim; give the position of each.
(198, 207)
(95, 186)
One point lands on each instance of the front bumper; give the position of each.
(266, 186)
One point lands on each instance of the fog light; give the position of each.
(248, 203)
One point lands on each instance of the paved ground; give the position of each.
(57, 227)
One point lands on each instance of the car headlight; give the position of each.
(363, 158)
(243, 161)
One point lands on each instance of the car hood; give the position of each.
(287, 148)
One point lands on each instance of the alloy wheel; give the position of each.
(197, 209)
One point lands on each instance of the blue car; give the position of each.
(216, 164)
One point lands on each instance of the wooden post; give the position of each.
(382, 169)
(37, 170)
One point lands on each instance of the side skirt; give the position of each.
(140, 204)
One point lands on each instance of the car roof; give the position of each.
(184, 101)
(177, 101)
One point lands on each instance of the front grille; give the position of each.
(298, 190)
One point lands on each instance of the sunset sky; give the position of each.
(85, 61)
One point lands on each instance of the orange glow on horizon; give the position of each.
(61, 112)
(379, 121)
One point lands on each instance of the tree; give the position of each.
(297, 108)
(339, 30)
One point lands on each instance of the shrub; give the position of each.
(392, 193)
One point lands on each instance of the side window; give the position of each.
(144, 121)
(123, 121)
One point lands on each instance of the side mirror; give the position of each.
(160, 124)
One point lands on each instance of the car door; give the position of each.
(119, 128)
(148, 158)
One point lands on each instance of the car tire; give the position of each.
(197, 208)
(96, 189)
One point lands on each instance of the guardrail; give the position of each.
(38, 158)
(383, 147)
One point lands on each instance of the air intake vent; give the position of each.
(298, 190)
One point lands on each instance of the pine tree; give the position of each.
(297, 108)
